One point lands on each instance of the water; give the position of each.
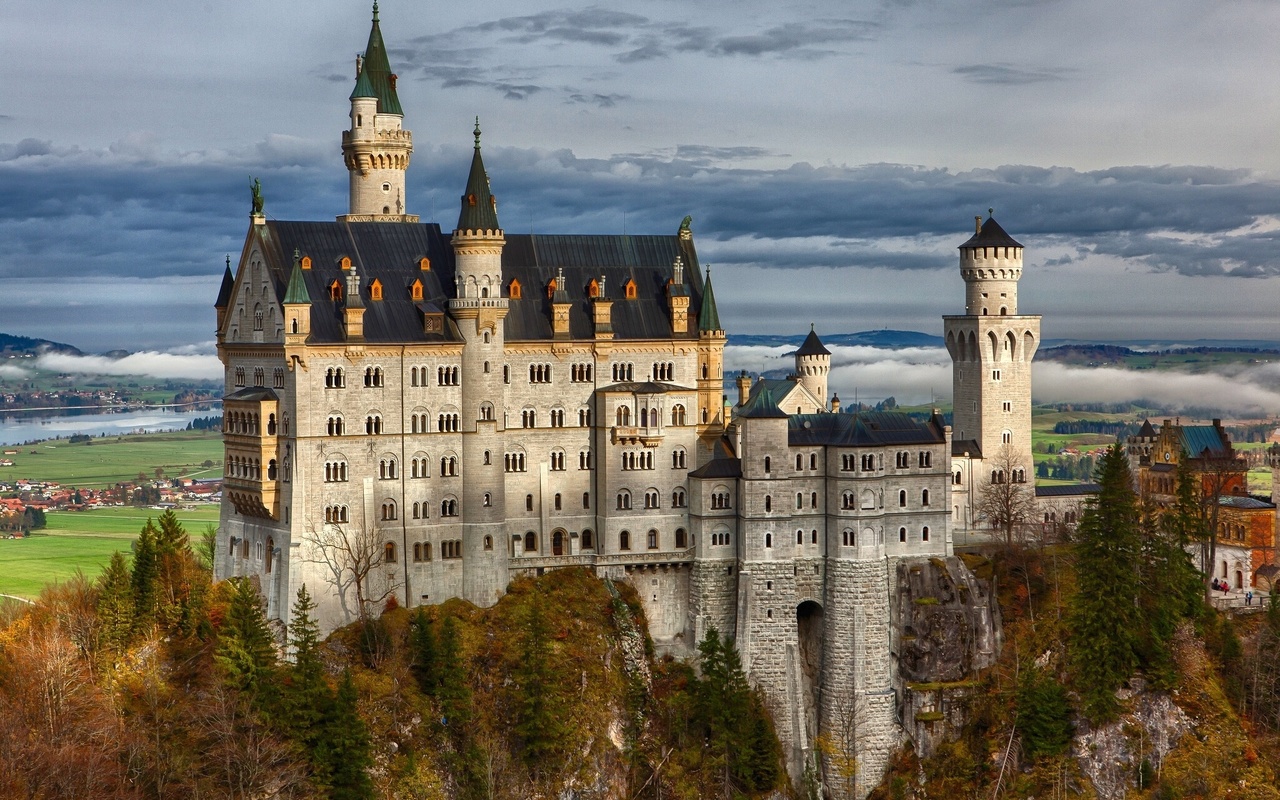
(17, 427)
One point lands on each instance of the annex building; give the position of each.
(426, 413)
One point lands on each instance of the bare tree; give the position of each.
(1217, 475)
(352, 554)
(1007, 501)
(840, 743)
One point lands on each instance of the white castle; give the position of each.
(425, 416)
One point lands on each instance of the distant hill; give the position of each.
(11, 345)
(883, 338)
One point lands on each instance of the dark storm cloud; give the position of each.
(1009, 75)
(797, 38)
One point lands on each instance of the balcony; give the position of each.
(634, 434)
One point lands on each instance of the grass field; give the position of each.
(80, 540)
(105, 462)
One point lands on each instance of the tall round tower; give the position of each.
(377, 148)
(991, 348)
(813, 365)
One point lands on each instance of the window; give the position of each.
(557, 460)
(799, 462)
(335, 514)
(277, 378)
(389, 510)
(1006, 437)
(768, 540)
(514, 290)
(624, 540)
(387, 469)
(663, 371)
(813, 461)
(799, 500)
(678, 415)
(334, 426)
(539, 373)
(373, 377)
(334, 378)
(642, 459)
(259, 376)
(652, 540)
(447, 376)
(902, 534)
(813, 536)
(528, 418)
(449, 507)
(902, 498)
(1007, 406)
(768, 503)
(257, 318)
(623, 372)
(678, 458)
(623, 416)
(451, 549)
(373, 424)
(488, 500)
(448, 466)
(846, 463)
(652, 499)
(514, 462)
(955, 479)
(584, 418)
(995, 374)
(389, 552)
(557, 417)
(488, 543)
(926, 459)
(902, 460)
(588, 540)
(924, 497)
(849, 538)
(624, 500)
(586, 499)
(847, 501)
(720, 500)
(528, 502)
(868, 462)
(580, 373)
(682, 539)
(799, 537)
(768, 464)
(584, 459)
(924, 534)
(813, 500)
(678, 499)
(239, 376)
(720, 538)
(335, 472)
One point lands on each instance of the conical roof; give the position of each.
(479, 206)
(375, 78)
(297, 291)
(708, 316)
(228, 284)
(991, 235)
(812, 346)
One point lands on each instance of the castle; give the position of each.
(425, 416)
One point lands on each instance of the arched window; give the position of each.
(389, 552)
(624, 540)
(678, 415)
(902, 534)
(799, 462)
(588, 540)
(768, 464)
(902, 498)
(768, 503)
(624, 500)
(799, 537)
(682, 539)
(924, 497)
(531, 542)
(768, 540)
(924, 534)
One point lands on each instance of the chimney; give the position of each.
(977, 224)
(835, 403)
(744, 388)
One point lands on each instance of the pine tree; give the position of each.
(145, 571)
(115, 604)
(1044, 715)
(246, 650)
(453, 691)
(343, 748)
(540, 722)
(1104, 615)
(423, 648)
(306, 696)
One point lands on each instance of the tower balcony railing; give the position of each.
(478, 302)
(400, 136)
(635, 434)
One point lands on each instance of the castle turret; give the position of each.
(353, 308)
(480, 311)
(813, 364)
(297, 309)
(711, 339)
(991, 348)
(376, 148)
(224, 297)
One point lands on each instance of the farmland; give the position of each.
(103, 462)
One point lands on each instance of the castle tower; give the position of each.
(991, 348)
(711, 339)
(480, 310)
(813, 365)
(377, 148)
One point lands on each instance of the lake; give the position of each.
(17, 427)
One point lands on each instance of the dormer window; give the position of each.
(335, 291)
(306, 262)
(593, 288)
(515, 291)
(551, 287)
(375, 290)
(471, 200)
(424, 264)
(345, 263)
(630, 290)
(415, 290)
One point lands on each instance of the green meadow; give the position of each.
(104, 462)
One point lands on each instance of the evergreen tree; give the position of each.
(1104, 615)
(306, 695)
(145, 571)
(343, 748)
(115, 604)
(453, 691)
(423, 648)
(1044, 715)
(246, 650)
(540, 720)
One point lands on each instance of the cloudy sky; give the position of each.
(832, 154)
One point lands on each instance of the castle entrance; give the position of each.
(557, 543)
(809, 633)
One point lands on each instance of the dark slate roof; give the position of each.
(961, 446)
(762, 406)
(708, 315)
(228, 285)
(479, 206)
(1162, 468)
(1198, 438)
(1237, 501)
(990, 235)
(1071, 490)
(252, 394)
(391, 251)
(812, 346)
(1147, 431)
(297, 291)
(375, 79)
(723, 463)
(868, 428)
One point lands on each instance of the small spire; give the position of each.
(477, 133)
(678, 271)
(228, 261)
(991, 212)
(811, 327)
(375, 10)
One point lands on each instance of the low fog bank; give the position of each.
(916, 376)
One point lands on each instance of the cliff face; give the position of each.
(947, 630)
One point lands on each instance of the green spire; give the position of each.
(479, 206)
(708, 316)
(376, 78)
(228, 284)
(297, 291)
